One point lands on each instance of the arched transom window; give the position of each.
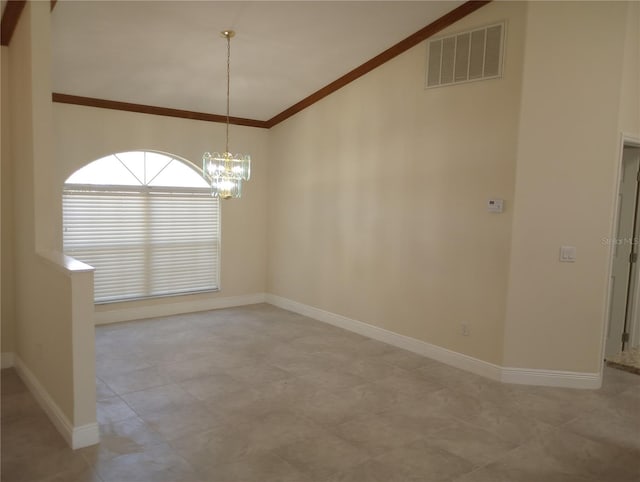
(148, 224)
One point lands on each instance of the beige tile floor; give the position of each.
(258, 394)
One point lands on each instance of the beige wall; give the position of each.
(380, 215)
(51, 321)
(630, 86)
(43, 331)
(377, 199)
(565, 184)
(6, 216)
(83, 134)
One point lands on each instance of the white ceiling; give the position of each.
(171, 54)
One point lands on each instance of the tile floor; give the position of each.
(258, 394)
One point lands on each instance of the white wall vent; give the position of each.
(467, 56)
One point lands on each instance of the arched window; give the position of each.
(147, 222)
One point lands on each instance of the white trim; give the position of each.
(610, 258)
(85, 435)
(631, 140)
(6, 360)
(420, 347)
(76, 437)
(64, 263)
(168, 309)
(634, 330)
(551, 378)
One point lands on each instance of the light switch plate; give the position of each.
(567, 254)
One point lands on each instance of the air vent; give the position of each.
(467, 56)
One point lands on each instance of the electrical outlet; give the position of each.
(464, 328)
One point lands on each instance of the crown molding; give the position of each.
(150, 109)
(402, 46)
(421, 35)
(10, 18)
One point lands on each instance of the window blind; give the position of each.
(144, 242)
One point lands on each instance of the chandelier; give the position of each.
(225, 171)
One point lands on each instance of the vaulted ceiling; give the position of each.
(171, 54)
(167, 57)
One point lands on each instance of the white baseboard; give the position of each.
(85, 435)
(420, 347)
(76, 437)
(180, 307)
(7, 360)
(551, 378)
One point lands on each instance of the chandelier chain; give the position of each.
(228, 88)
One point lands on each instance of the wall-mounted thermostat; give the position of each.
(494, 205)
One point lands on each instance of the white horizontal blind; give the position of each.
(144, 242)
